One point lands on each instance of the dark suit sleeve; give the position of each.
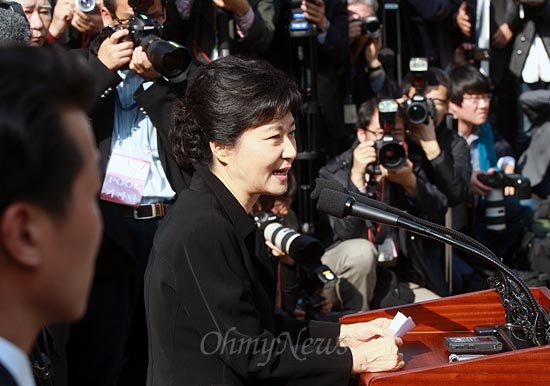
(215, 286)
(431, 10)
(335, 46)
(452, 168)
(260, 35)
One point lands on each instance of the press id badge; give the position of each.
(350, 114)
(387, 251)
(125, 179)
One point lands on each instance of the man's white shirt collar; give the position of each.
(16, 362)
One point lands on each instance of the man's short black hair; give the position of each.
(434, 77)
(39, 158)
(467, 80)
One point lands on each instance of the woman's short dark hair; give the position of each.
(467, 80)
(227, 97)
(39, 158)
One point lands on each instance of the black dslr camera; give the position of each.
(499, 180)
(169, 58)
(370, 27)
(495, 210)
(390, 151)
(418, 109)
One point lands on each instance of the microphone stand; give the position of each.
(521, 307)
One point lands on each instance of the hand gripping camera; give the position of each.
(419, 108)
(495, 212)
(390, 151)
(169, 58)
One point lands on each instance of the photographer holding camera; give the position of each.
(470, 100)
(366, 75)
(74, 23)
(138, 77)
(439, 148)
(400, 183)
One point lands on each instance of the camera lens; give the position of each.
(417, 113)
(168, 58)
(85, 5)
(304, 249)
(392, 155)
(495, 212)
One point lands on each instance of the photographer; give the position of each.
(366, 74)
(327, 37)
(442, 150)
(130, 118)
(470, 100)
(204, 26)
(72, 25)
(405, 186)
(439, 148)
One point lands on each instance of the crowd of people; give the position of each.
(205, 113)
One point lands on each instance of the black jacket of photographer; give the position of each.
(332, 57)
(429, 204)
(117, 255)
(200, 29)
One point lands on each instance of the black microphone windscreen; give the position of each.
(321, 184)
(333, 203)
(14, 29)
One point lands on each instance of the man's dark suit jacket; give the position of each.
(157, 101)
(6, 378)
(199, 31)
(210, 303)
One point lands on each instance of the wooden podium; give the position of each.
(427, 360)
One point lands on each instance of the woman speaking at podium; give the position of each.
(210, 289)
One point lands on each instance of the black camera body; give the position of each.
(477, 54)
(169, 58)
(418, 109)
(499, 180)
(370, 27)
(390, 151)
(495, 209)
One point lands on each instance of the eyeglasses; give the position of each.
(153, 16)
(377, 132)
(476, 98)
(439, 101)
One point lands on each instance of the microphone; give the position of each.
(522, 309)
(321, 184)
(14, 28)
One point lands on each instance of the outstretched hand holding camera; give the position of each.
(314, 11)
